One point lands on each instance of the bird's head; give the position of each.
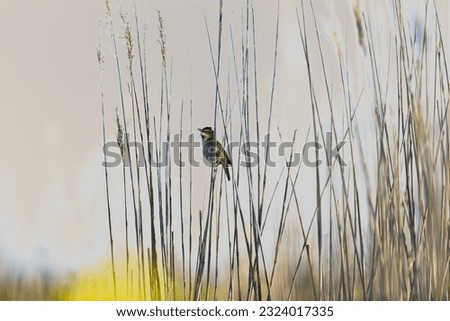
(206, 133)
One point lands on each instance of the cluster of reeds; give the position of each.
(380, 226)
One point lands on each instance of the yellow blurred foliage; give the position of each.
(98, 285)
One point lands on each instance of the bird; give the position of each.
(213, 151)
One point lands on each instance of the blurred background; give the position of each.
(53, 210)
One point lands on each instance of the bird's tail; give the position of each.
(225, 168)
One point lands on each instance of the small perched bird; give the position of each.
(213, 150)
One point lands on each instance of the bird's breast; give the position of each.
(210, 152)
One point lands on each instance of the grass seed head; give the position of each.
(359, 24)
(119, 135)
(108, 7)
(162, 39)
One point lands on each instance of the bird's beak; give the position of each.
(199, 129)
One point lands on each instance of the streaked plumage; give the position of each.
(213, 150)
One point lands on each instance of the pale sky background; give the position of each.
(52, 199)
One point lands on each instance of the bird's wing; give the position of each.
(223, 153)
